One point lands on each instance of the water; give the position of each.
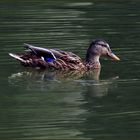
(37, 104)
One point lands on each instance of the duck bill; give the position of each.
(113, 56)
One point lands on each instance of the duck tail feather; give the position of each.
(17, 57)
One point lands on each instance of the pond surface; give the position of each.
(37, 104)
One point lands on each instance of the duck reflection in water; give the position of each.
(51, 80)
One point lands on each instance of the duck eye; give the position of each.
(105, 45)
(102, 45)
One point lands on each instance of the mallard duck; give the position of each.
(39, 57)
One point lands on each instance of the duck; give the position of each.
(44, 58)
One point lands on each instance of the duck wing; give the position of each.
(52, 54)
(63, 59)
(41, 52)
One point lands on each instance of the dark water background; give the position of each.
(56, 105)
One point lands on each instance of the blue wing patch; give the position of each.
(47, 59)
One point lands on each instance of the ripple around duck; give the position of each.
(129, 81)
(133, 113)
(79, 4)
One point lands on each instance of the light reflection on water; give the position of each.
(38, 104)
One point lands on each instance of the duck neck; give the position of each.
(93, 61)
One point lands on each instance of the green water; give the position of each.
(37, 104)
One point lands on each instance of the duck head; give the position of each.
(99, 48)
